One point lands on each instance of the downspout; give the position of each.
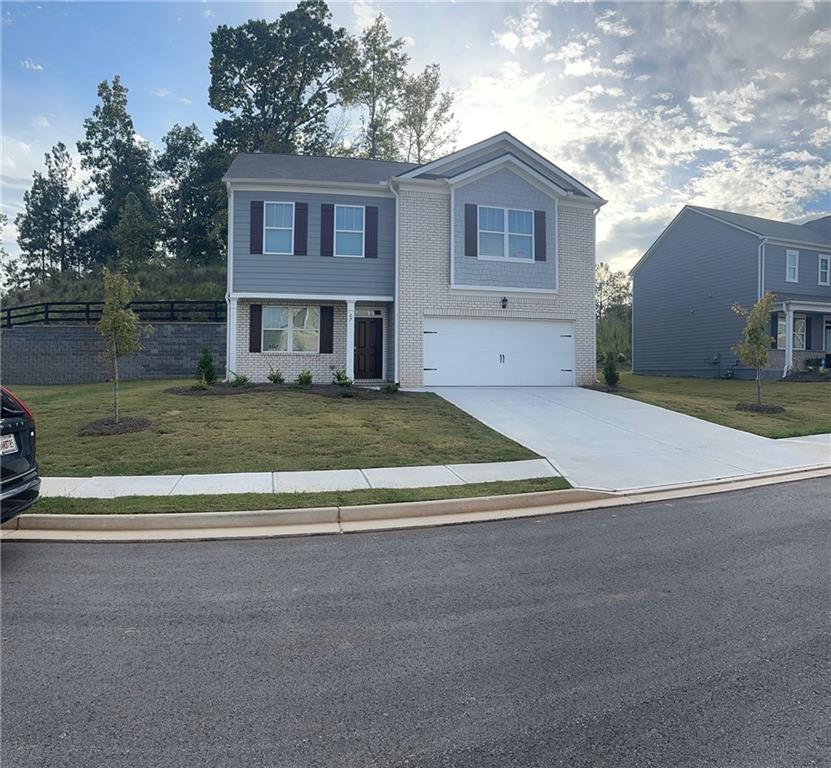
(229, 316)
(396, 311)
(761, 267)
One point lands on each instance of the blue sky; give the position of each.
(651, 104)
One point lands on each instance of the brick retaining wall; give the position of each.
(71, 354)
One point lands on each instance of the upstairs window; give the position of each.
(278, 228)
(824, 270)
(792, 266)
(349, 230)
(506, 233)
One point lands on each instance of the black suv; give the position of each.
(19, 481)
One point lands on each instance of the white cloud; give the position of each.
(41, 121)
(522, 32)
(208, 13)
(162, 93)
(578, 60)
(724, 110)
(820, 37)
(184, 100)
(800, 53)
(612, 23)
(32, 65)
(365, 13)
(409, 40)
(622, 59)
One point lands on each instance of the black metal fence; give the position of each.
(75, 312)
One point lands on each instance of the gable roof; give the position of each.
(501, 145)
(821, 225)
(797, 234)
(261, 166)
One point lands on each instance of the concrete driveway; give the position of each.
(610, 442)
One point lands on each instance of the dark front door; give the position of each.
(369, 361)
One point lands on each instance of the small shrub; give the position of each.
(621, 358)
(610, 373)
(275, 376)
(390, 389)
(205, 371)
(346, 393)
(239, 380)
(341, 379)
(304, 379)
(201, 385)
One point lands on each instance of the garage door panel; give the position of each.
(498, 352)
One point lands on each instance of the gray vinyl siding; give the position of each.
(313, 273)
(808, 287)
(682, 298)
(504, 189)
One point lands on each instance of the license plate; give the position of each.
(7, 444)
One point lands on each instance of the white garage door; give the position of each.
(496, 352)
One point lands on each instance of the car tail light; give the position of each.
(22, 405)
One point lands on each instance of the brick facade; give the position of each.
(71, 354)
(424, 282)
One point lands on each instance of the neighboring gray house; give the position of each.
(707, 260)
(477, 268)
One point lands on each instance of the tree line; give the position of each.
(292, 85)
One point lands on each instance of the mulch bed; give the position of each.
(754, 408)
(808, 376)
(322, 390)
(107, 426)
(597, 387)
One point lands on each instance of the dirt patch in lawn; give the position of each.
(125, 425)
(756, 408)
(321, 390)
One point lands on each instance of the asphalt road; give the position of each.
(692, 633)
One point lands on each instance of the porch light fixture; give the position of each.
(504, 302)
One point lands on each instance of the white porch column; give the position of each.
(788, 340)
(350, 339)
(231, 336)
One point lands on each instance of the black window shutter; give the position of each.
(255, 328)
(256, 243)
(371, 233)
(471, 231)
(327, 229)
(807, 332)
(774, 329)
(301, 228)
(327, 330)
(539, 235)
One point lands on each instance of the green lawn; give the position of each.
(281, 430)
(807, 405)
(235, 502)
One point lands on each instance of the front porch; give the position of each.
(292, 335)
(801, 332)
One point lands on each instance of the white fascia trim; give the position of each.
(802, 306)
(533, 177)
(420, 185)
(322, 188)
(503, 290)
(516, 144)
(311, 296)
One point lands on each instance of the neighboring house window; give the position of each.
(824, 270)
(798, 332)
(349, 230)
(498, 241)
(291, 329)
(278, 228)
(792, 268)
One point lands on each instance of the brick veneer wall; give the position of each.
(424, 282)
(71, 354)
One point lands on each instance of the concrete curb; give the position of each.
(378, 517)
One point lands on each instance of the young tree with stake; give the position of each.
(753, 350)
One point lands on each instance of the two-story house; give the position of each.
(705, 261)
(474, 269)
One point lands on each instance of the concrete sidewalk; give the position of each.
(295, 482)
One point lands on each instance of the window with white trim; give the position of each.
(349, 230)
(506, 233)
(824, 277)
(278, 228)
(798, 331)
(291, 329)
(792, 266)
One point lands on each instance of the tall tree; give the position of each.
(50, 225)
(426, 128)
(613, 291)
(278, 81)
(134, 234)
(377, 88)
(176, 165)
(119, 162)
